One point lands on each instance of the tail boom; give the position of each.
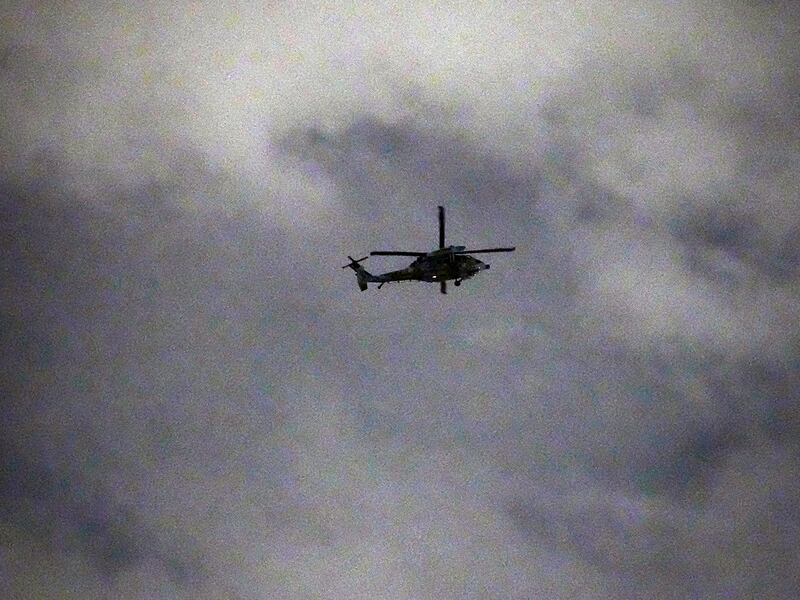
(362, 275)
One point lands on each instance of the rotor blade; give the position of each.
(396, 253)
(441, 227)
(443, 287)
(511, 249)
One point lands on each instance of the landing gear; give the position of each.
(457, 282)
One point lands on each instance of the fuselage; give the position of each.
(436, 267)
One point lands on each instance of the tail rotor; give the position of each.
(362, 275)
(353, 262)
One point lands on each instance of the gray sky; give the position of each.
(197, 401)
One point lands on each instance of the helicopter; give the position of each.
(437, 266)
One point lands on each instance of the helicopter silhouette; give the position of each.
(437, 266)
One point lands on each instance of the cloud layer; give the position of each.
(200, 404)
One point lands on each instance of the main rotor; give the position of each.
(441, 250)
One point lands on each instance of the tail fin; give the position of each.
(362, 275)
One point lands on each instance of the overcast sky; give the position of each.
(197, 402)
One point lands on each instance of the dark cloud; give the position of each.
(68, 516)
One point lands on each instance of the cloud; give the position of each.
(199, 403)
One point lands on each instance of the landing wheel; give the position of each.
(457, 282)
